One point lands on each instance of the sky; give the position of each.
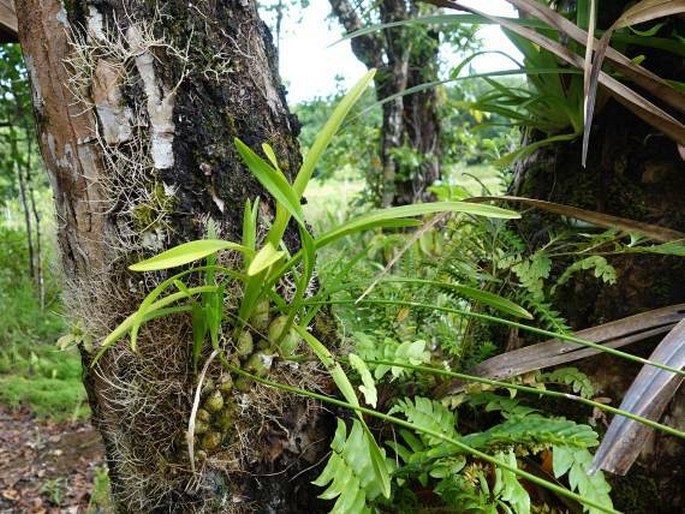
(310, 61)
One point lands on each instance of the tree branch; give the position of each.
(369, 48)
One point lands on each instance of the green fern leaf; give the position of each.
(508, 487)
(532, 272)
(532, 431)
(547, 317)
(349, 473)
(429, 414)
(576, 462)
(602, 270)
(580, 383)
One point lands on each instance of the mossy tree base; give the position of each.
(138, 104)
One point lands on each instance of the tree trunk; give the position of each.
(405, 57)
(25, 207)
(632, 172)
(137, 105)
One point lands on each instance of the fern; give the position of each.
(576, 462)
(507, 488)
(509, 407)
(579, 382)
(429, 414)
(533, 432)
(547, 317)
(467, 494)
(602, 270)
(423, 462)
(531, 273)
(411, 353)
(349, 473)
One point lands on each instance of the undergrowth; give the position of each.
(418, 304)
(33, 373)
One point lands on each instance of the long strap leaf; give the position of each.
(648, 397)
(639, 105)
(654, 232)
(554, 352)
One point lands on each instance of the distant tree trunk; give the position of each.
(404, 58)
(25, 207)
(633, 172)
(137, 105)
(40, 284)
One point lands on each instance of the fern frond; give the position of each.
(576, 462)
(531, 273)
(507, 486)
(425, 413)
(546, 316)
(349, 473)
(509, 407)
(533, 431)
(579, 382)
(602, 270)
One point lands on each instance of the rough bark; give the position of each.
(404, 58)
(633, 172)
(137, 104)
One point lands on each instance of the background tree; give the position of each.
(137, 106)
(406, 56)
(20, 173)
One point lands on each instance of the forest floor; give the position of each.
(50, 467)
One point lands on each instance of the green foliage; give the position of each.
(18, 146)
(533, 431)
(462, 481)
(576, 462)
(508, 488)
(471, 135)
(46, 381)
(579, 382)
(408, 352)
(428, 414)
(33, 373)
(100, 496)
(23, 321)
(360, 469)
(601, 270)
(474, 264)
(532, 271)
(349, 473)
(354, 150)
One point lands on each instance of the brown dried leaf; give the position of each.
(654, 232)
(554, 352)
(648, 397)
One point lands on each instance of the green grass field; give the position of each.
(329, 201)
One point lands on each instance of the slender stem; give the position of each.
(406, 424)
(532, 390)
(515, 324)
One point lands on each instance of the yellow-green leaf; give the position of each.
(185, 254)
